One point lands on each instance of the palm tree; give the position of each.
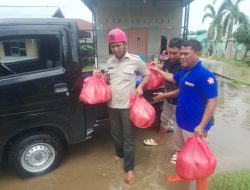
(215, 28)
(232, 16)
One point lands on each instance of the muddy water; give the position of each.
(230, 138)
(89, 166)
(227, 70)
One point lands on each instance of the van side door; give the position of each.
(38, 83)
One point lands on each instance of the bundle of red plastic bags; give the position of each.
(95, 90)
(195, 160)
(142, 113)
(155, 80)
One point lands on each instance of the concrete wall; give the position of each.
(161, 18)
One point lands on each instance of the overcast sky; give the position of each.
(76, 9)
(70, 8)
(197, 12)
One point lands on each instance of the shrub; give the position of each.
(87, 55)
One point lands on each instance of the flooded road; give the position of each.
(231, 71)
(230, 138)
(89, 166)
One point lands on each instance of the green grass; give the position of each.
(238, 180)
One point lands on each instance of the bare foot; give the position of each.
(157, 140)
(130, 177)
(115, 157)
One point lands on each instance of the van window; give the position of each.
(25, 54)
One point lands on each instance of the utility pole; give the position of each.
(186, 18)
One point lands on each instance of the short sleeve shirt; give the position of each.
(173, 68)
(197, 85)
(122, 78)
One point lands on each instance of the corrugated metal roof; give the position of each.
(30, 12)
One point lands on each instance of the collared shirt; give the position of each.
(173, 68)
(122, 78)
(197, 85)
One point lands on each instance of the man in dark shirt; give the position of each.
(172, 65)
(210, 51)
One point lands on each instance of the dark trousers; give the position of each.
(122, 131)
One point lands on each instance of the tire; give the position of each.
(35, 155)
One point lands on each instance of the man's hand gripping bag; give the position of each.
(195, 160)
(155, 80)
(95, 90)
(142, 113)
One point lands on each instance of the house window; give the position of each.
(14, 48)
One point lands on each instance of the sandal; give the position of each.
(174, 158)
(130, 177)
(150, 142)
(170, 129)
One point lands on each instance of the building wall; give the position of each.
(161, 18)
(2, 54)
(31, 50)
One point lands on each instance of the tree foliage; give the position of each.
(242, 35)
(231, 16)
(223, 22)
(215, 28)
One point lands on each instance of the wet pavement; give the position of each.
(89, 166)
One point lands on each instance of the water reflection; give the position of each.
(234, 103)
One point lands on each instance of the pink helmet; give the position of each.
(116, 35)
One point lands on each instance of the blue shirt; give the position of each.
(197, 85)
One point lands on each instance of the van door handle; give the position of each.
(60, 87)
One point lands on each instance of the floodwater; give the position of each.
(230, 137)
(231, 71)
(89, 166)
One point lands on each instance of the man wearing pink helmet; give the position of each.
(121, 72)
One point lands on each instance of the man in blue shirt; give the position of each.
(197, 96)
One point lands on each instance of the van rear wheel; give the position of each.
(35, 155)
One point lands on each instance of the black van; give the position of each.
(40, 82)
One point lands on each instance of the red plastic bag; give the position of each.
(155, 80)
(95, 90)
(142, 113)
(195, 160)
